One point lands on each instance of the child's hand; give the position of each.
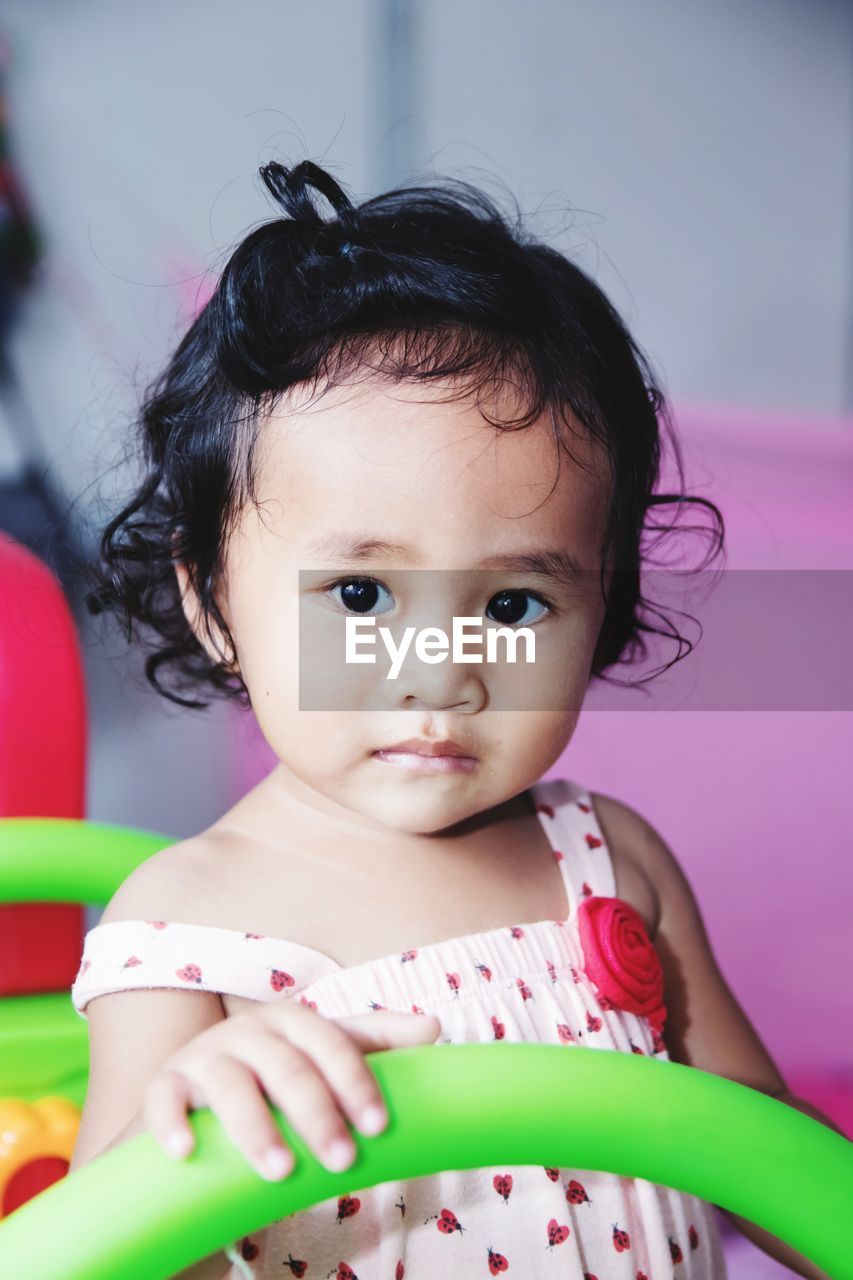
(309, 1066)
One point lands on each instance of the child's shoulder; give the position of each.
(180, 882)
(640, 850)
(223, 879)
(643, 864)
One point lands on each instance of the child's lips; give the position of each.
(429, 747)
(421, 763)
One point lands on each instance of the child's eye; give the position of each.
(508, 606)
(359, 593)
(363, 595)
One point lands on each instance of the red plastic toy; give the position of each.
(42, 757)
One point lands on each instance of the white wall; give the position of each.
(708, 150)
(139, 131)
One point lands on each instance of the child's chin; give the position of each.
(423, 809)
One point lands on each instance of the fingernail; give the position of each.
(178, 1143)
(339, 1155)
(373, 1120)
(278, 1162)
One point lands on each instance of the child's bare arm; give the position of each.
(157, 1053)
(121, 1063)
(132, 1033)
(123, 1057)
(705, 1026)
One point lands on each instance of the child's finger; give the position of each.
(388, 1029)
(338, 1057)
(234, 1096)
(295, 1077)
(231, 1092)
(336, 1048)
(167, 1098)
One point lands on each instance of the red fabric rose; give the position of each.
(620, 959)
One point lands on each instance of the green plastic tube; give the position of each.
(135, 1213)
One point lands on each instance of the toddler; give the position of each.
(409, 384)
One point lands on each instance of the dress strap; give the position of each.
(565, 808)
(122, 955)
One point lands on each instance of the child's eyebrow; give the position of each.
(557, 564)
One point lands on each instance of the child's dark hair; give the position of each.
(436, 282)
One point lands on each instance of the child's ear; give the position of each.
(223, 656)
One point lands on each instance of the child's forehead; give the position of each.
(422, 457)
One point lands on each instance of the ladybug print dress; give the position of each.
(527, 982)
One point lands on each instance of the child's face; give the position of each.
(388, 462)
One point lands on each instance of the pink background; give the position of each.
(758, 806)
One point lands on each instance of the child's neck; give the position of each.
(282, 803)
(493, 870)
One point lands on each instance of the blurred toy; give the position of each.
(36, 1143)
(44, 1051)
(42, 767)
(42, 759)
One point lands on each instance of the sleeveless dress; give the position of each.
(524, 982)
